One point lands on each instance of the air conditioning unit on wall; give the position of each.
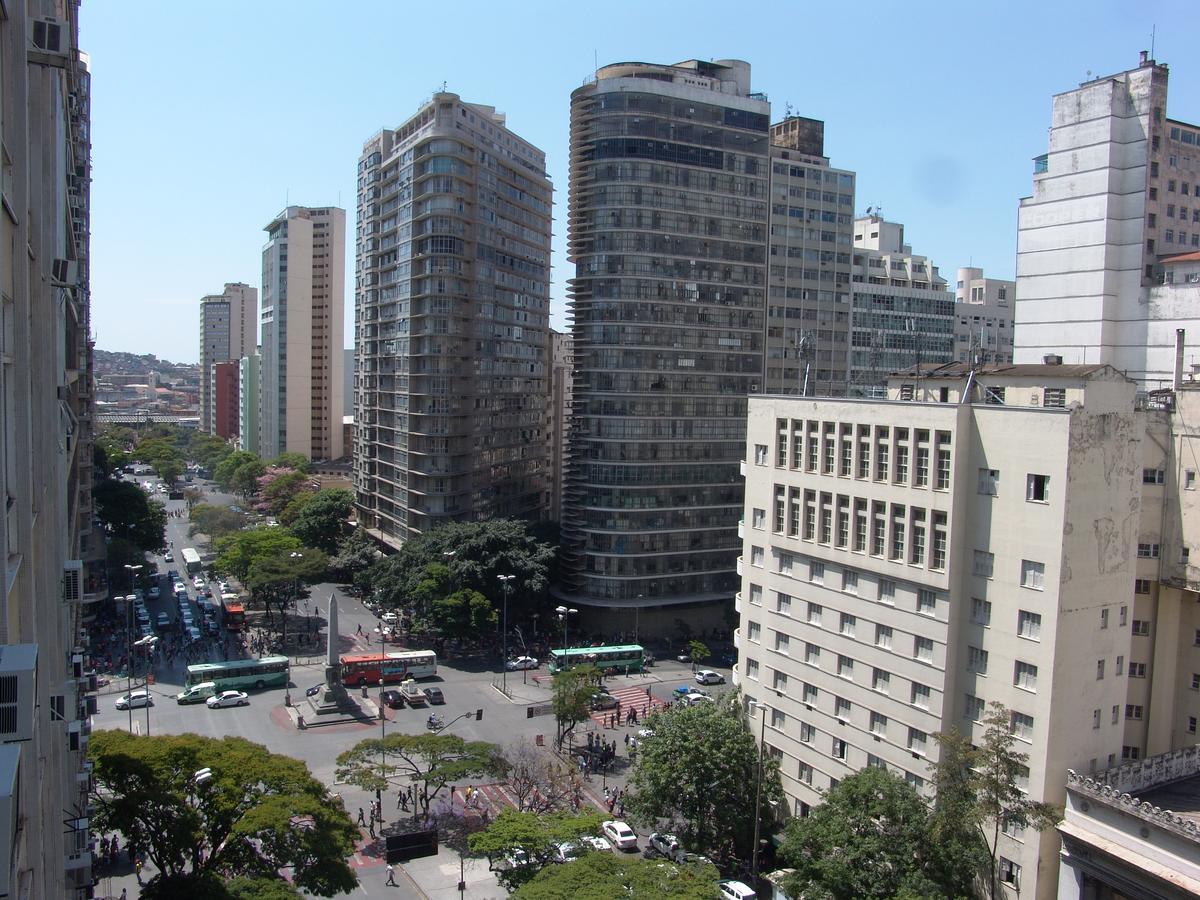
(18, 690)
(48, 41)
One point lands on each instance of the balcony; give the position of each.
(739, 566)
(741, 528)
(737, 602)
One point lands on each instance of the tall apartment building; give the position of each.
(224, 393)
(809, 264)
(228, 331)
(53, 554)
(1115, 192)
(983, 317)
(248, 402)
(303, 303)
(452, 289)
(902, 314)
(667, 214)
(559, 417)
(907, 561)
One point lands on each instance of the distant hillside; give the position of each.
(110, 362)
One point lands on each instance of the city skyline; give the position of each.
(931, 155)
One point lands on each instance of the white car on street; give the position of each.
(708, 676)
(228, 698)
(621, 835)
(596, 843)
(134, 700)
(521, 662)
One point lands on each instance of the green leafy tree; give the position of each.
(290, 512)
(207, 450)
(279, 486)
(429, 761)
(129, 514)
(278, 581)
(981, 786)
(572, 698)
(602, 876)
(463, 614)
(524, 834)
(290, 460)
(698, 772)
(258, 813)
(169, 470)
(356, 553)
(122, 553)
(698, 651)
(192, 496)
(245, 479)
(237, 552)
(215, 521)
(323, 521)
(224, 472)
(870, 838)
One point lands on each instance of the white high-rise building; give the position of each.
(908, 561)
(983, 317)
(303, 302)
(228, 331)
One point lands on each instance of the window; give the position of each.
(839, 748)
(1137, 670)
(881, 681)
(781, 681)
(987, 481)
(926, 602)
(783, 604)
(1099, 669)
(1037, 488)
(781, 643)
(939, 541)
(1095, 719)
(974, 707)
(850, 581)
(785, 564)
(1196, 681)
(1029, 625)
(1141, 585)
(847, 624)
(814, 614)
(1191, 724)
(887, 591)
(778, 718)
(923, 649)
(841, 707)
(1054, 397)
(1120, 665)
(754, 631)
(1133, 711)
(806, 773)
(981, 611)
(943, 463)
(1152, 476)
(812, 655)
(756, 556)
(984, 562)
(1103, 618)
(879, 724)
(920, 695)
(1140, 627)
(1025, 675)
(1130, 753)
(810, 694)
(760, 454)
(1033, 575)
(758, 519)
(883, 636)
(752, 668)
(917, 740)
(1010, 872)
(977, 660)
(845, 667)
(922, 468)
(816, 572)
(1189, 479)
(807, 733)
(756, 594)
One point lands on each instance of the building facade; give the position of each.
(248, 402)
(228, 331)
(225, 399)
(909, 561)
(452, 337)
(809, 264)
(668, 208)
(303, 304)
(559, 415)
(1114, 193)
(902, 315)
(54, 554)
(983, 317)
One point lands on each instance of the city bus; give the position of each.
(368, 668)
(241, 674)
(191, 560)
(233, 612)
(621, 657)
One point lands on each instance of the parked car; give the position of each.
(134, 700)
(389, 618)
(434, 695)
(169, 556)
(603, 700)
(164, 621)
(662, 844)
(228, 698)
(393, 699)
(621, 835)
(567, 851)
(735, 890)
(521, 662)
(596, 843)
(708, 676)
(153, 593)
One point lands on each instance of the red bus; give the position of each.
(368, 668)
(233, 612)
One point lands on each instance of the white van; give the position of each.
(197, 693)
(736, 890)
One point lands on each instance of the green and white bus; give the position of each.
(241, 674)
(625, 656)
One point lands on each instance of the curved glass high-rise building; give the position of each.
(668, 234)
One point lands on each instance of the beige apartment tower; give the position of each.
(303, 303)
(228, 331)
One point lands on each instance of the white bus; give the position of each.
(191, 560)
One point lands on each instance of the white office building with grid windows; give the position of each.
(908, 561)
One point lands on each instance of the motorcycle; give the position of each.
(434, 722)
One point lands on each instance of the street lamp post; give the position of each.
(762, 736)
(563, 614)
(287, 685)
(506, 585)
(129, 639)
(637, 618)
(382, 770)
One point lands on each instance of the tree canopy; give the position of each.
(277, 487)
(257, 814)
(698, 771)
(572, 697)
(514, 834)
(290, 460)
(128, 513)
(238, 551)
(602, 876)
(215, 521)
(356, 553)
(322, 521)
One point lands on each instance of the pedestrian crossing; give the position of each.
(631, 697)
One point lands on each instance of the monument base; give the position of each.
(335, 701)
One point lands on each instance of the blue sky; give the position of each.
(208, 118)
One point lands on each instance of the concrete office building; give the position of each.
(303, 302)
(228, 331)
(809, 260)
(224, 393)
(1115, 192)
(901, 313)
(53, 554)
(983, 317)
(248, 402)
(452, 337)
(559, 416)
(908, 561)
(668, 207)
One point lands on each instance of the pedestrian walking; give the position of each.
(137, 869)
(361, 817)
(391, 879)
(124, 893)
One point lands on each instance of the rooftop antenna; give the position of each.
(595, 62)
(1153, 29)
(443, 87)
